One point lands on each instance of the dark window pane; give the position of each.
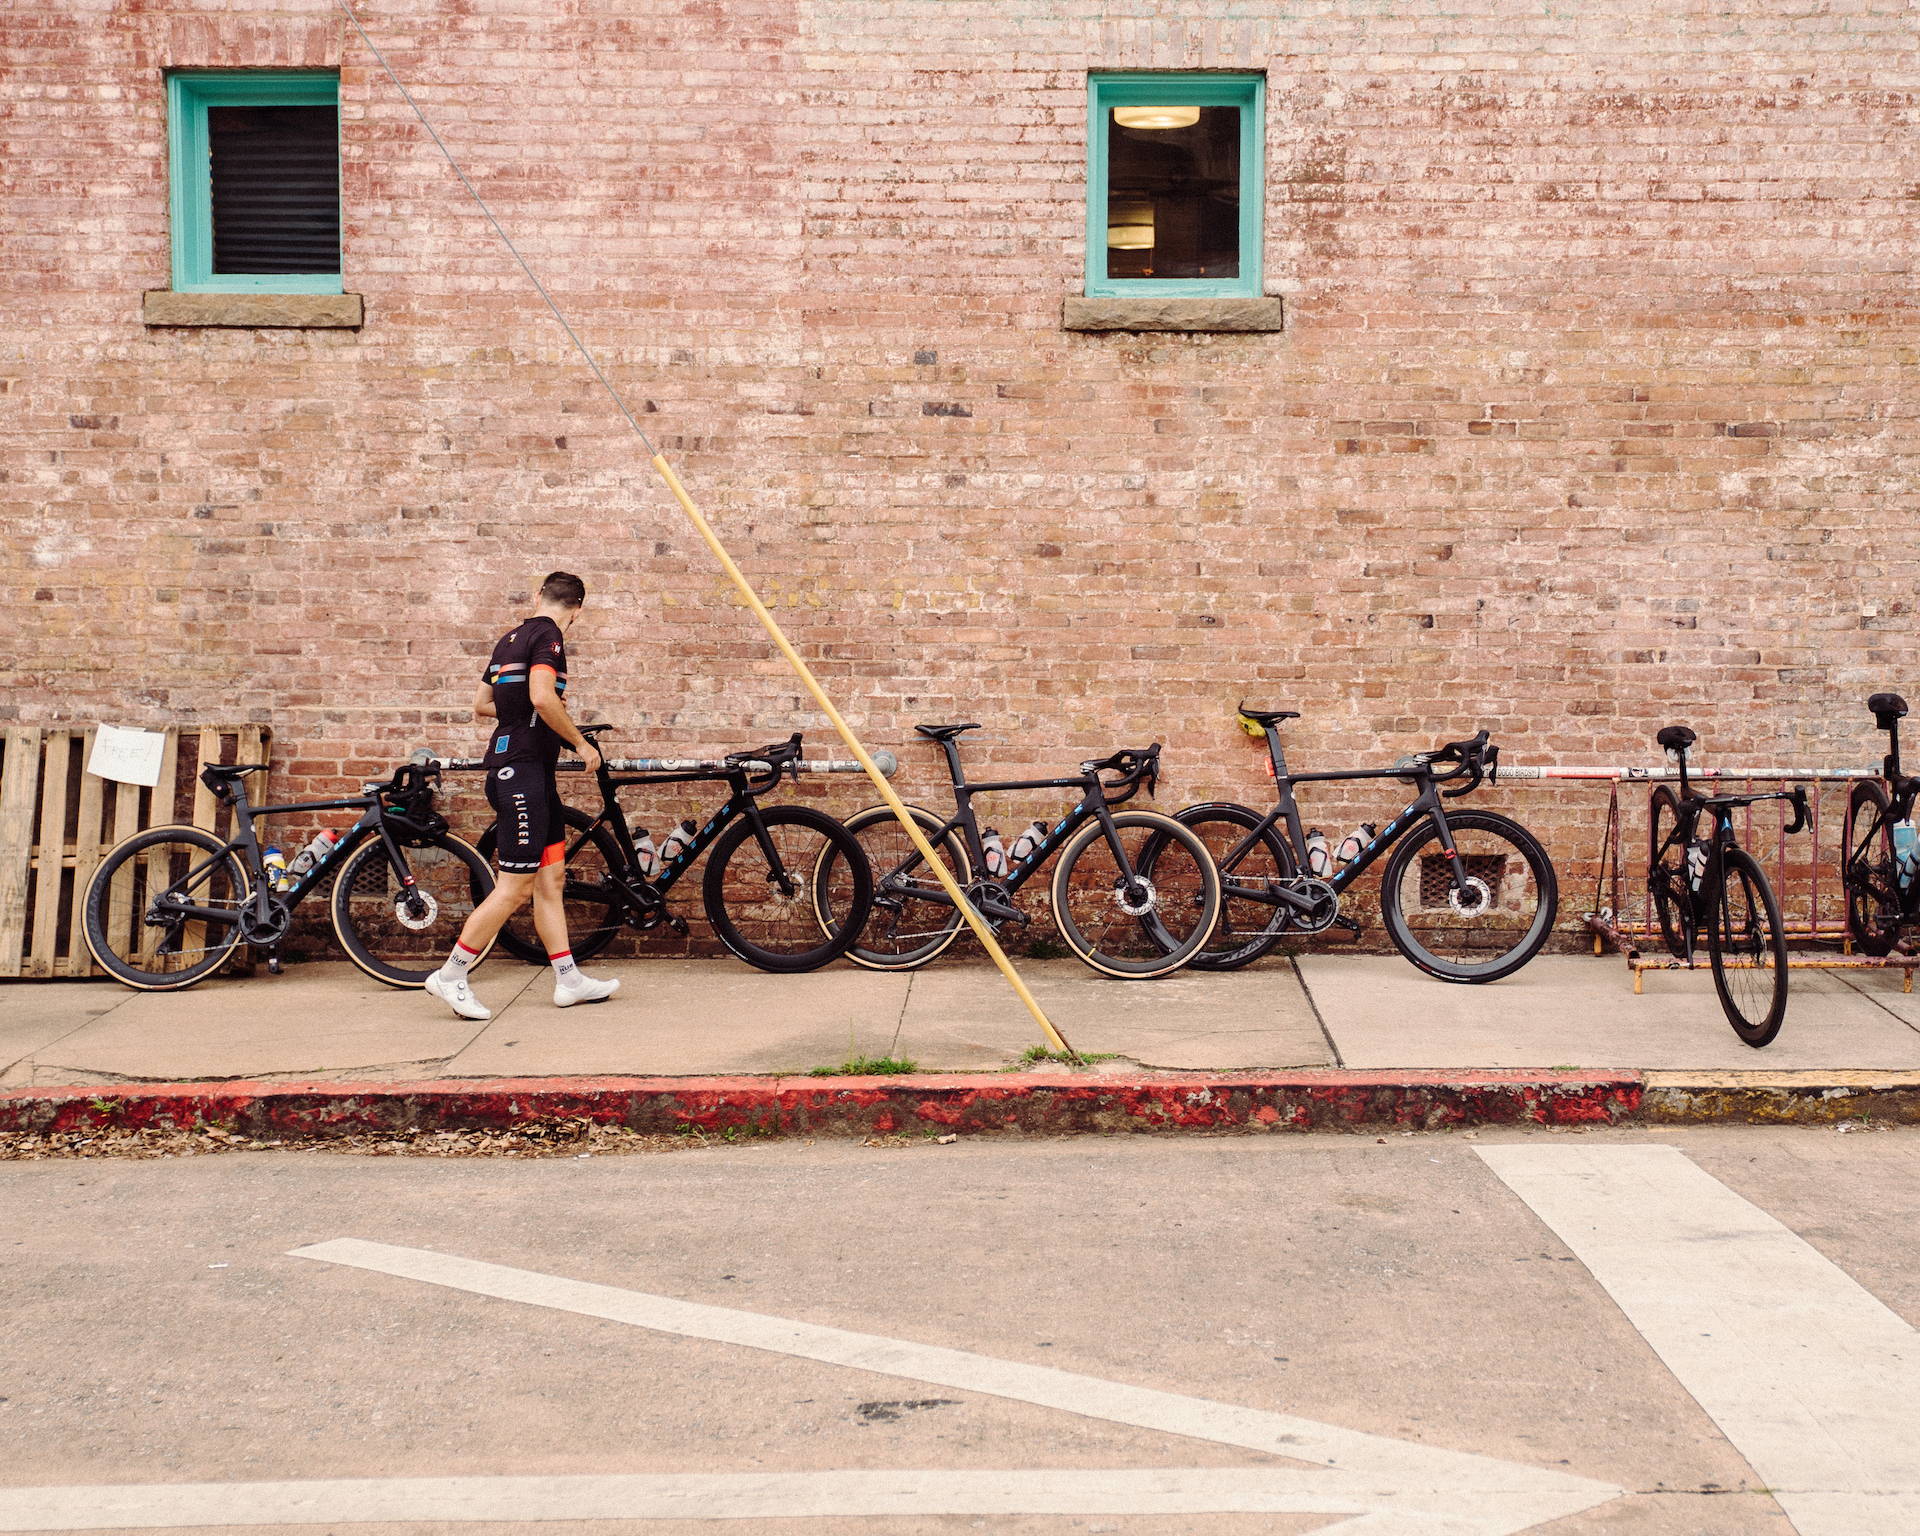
(1173, 192)
(276, 189)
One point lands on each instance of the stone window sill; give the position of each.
(300, 311)
(1172, 315)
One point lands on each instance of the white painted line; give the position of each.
(1810, 1376)
(730, 1496)
(1411, 1490)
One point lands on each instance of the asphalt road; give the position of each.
(1113, 1329)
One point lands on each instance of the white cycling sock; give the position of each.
(459, 961)
(563, 967)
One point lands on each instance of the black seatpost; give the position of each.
(951, 746)
(1275, 751)
(1891, 767)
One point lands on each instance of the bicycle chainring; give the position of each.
(1474, 900)
(266, 932)
(415, 909)
(1322, 914)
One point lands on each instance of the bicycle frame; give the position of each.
(1426, 804)
(647, 895)
(246, 842)
(1902, 791)
(1095, 804)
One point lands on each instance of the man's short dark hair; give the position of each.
(564, 588)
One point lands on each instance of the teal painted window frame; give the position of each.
(189, 94)
(1249, 93)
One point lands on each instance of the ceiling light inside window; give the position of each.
(1130, 226)
(1156, 117)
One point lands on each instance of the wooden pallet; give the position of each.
(56, 820)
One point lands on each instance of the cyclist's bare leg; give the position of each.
(508, 896)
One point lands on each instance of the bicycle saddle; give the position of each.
(231, 770)
(591, 731)
(1887, 708)
(1269, 716)
(1676, 738)
(946, 732)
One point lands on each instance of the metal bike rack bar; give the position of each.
(886, 762)
(1617, 881)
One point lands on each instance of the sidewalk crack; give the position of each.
(1314, 1003)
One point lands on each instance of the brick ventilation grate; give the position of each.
(1436, 875)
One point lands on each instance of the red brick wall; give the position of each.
(1596, 409)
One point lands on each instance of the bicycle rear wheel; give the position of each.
(186, 864)
(1487, 930)
(376, 924)
(1118, 920)
(1248, 927)
(1869, 875)
(1667, 874)
(765, 910)
(1748, 949)
(593, 906)
(907, 928)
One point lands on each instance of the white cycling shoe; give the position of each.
(458, 996)
(588, 989)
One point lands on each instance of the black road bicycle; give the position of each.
(758, 887)
(167, 906)
(1705, 884)
(1109, 912)
(1881, 875)
(1466, 895)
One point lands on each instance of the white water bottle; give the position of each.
(1027, 843)
(1906, 850)
(1356, 840)
(1319, 855)
(995, 852)
(677, 841)
(1696, 863)
(643, 849)
(314, 854)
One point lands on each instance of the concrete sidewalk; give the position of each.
(719, 1018)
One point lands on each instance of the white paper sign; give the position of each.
(127, 757)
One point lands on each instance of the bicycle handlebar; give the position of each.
(1475, 757)
(1133, 764)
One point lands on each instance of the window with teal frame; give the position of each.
(1175, 185)
(255, 159)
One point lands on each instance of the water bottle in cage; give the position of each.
(1319, 855)
(1027, 843)
(677, 842)
(995, 852)
(1696, 862)
(643, 850)
(274, 862)
(314, 854)
(1906, 850)
(1356, 840)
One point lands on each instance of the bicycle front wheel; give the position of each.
(764, 909)
(393, 938)
(1119, 920)
(1748, 948)
(912, 920)
(128, 931)
(1250, 868)
(1869, 874)
(1489, 928)
(593, 906)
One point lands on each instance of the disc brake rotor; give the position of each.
(415, 910)
(1143, 900)
(1471, 900)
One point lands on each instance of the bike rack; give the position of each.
(1808, 919)
(884, 761)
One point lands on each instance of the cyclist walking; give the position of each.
(521, 689)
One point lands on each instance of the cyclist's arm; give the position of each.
(546, 704)
(483, 703)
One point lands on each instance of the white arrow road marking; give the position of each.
(1810, 1376)
(1389, 1487)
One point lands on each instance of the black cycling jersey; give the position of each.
(520, 735)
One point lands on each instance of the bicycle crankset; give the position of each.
(1322, 909)
(265, 932)
(994, 902)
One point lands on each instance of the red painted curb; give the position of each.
(1052, 1104)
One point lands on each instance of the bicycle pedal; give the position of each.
(677, 924)
(1350, 924)
(273, 965)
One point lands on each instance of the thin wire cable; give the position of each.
(505, 239)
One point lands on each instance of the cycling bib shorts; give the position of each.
(529, 830)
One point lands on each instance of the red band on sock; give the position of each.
(463, 948)
(565, 954)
